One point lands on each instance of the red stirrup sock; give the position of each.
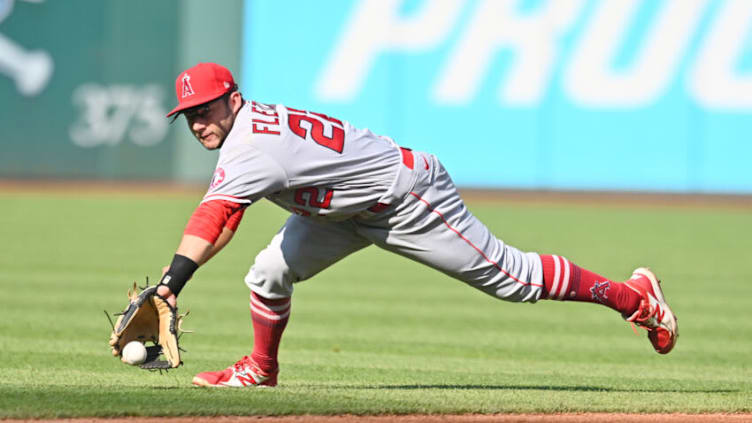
(564, 280)
(269, 319)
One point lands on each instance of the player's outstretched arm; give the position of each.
(191, 252)
(224, 239)
(195, 248)
(209, 229)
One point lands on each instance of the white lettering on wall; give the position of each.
(590, 79)
(375, 28)
(110, 113)
(712, 81)
(590, 76)
(497, 25)
(30, 70)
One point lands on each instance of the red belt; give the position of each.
(407, 157)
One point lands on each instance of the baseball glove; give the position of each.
(148, 317)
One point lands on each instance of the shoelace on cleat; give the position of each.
(641, 317)
(243, 362)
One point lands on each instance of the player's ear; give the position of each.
(236, 101)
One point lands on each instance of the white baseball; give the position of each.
(134, 353)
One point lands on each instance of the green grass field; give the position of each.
(376, 333)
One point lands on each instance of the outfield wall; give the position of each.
(650, 95)
(85, 85)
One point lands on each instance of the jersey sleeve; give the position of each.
(245, 174)
(234, 221)
(210, 217)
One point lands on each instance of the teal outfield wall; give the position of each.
(651, 95)
(85, 85)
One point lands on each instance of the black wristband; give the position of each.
(181, 269)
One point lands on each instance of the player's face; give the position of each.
(211, 122)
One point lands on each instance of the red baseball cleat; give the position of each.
(653, 314)
(244, 373)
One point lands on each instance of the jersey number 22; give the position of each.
(317, 121)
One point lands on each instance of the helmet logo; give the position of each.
(187, 88)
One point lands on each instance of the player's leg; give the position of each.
(565, 281)
(301, 249)
(434, 227)
(639, 299)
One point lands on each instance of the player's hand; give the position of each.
(164, 292)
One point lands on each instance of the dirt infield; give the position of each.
(474, 418)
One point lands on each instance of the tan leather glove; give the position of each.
(149, 318)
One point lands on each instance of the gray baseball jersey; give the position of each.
(349, 188)
(308, 163)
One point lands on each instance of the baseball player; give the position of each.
(348, 188)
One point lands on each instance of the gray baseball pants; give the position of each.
(431, 225)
